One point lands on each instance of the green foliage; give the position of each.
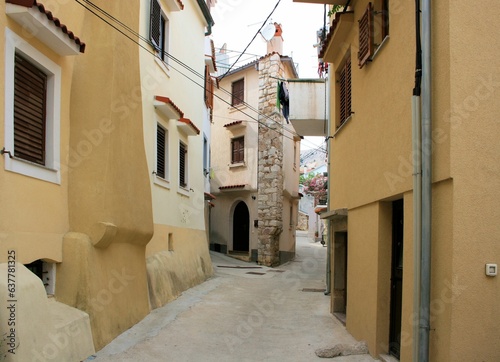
(335, 9)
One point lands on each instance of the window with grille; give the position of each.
(183, 151)
(238, 150)
(159, 30)
(238, 92)
(344, 79)
(30, 95)
(161, 152)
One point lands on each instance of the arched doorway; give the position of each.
(241, 227)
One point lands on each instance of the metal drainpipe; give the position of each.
(329, 235)
(425, 281)
(417, 181)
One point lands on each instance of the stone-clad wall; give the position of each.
(270, 177)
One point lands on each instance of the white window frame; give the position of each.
(51, 171)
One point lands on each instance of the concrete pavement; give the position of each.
(245, 313)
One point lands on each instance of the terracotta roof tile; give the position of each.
(169, 101)
(189, 123)
(233, 123)
(51, 17)
(232, 187)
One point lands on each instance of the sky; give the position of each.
(237, 21)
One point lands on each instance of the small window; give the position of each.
(344, 98)
(237, 92)
(161, 152)
(373, 29)
(183, 152)
(32, 111)
(159, 30)
(238, 150)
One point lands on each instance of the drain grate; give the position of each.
(316, 290)
(239, 267)
(255, 273)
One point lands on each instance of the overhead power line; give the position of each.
(251, 41)
(94, 9)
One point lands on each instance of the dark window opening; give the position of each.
(182, 164)
(161, 151)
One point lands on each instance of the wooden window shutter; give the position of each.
(238, 150)
(155, 24)
(238, 92)
(182, 164)
(345, 91)
(209, 89)
(160, 151)
(366, 46)
(30, 98)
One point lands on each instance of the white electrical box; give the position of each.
(491, 270)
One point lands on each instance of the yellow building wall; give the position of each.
(25, 224)
(371, 163)
(110, 210)
(473, 114)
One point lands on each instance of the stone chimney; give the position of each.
(276, 43)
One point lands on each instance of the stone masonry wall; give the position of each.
(270, 176)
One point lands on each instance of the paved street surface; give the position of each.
(245, 313)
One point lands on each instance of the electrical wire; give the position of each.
(251, 41)
(139, 36)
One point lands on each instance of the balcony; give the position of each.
(308, 108)
(336, 42)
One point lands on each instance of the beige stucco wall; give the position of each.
(223, 174)
(371, 164)
(222, 218)
(106, 143)
(37, 234)
(178, 212)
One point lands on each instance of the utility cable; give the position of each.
(251, 41)
(97, 8)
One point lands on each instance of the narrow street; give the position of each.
(244, 313)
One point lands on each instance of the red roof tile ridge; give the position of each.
(233, 123)
(169, 101)
(51, 17)
(190, 123)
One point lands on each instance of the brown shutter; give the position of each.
(182, 164)
(238, 150)
(30, 98)
(366, 47)
(238, 92)
(345, 91)
(155, 24)
(160, 151)
(209, 89)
